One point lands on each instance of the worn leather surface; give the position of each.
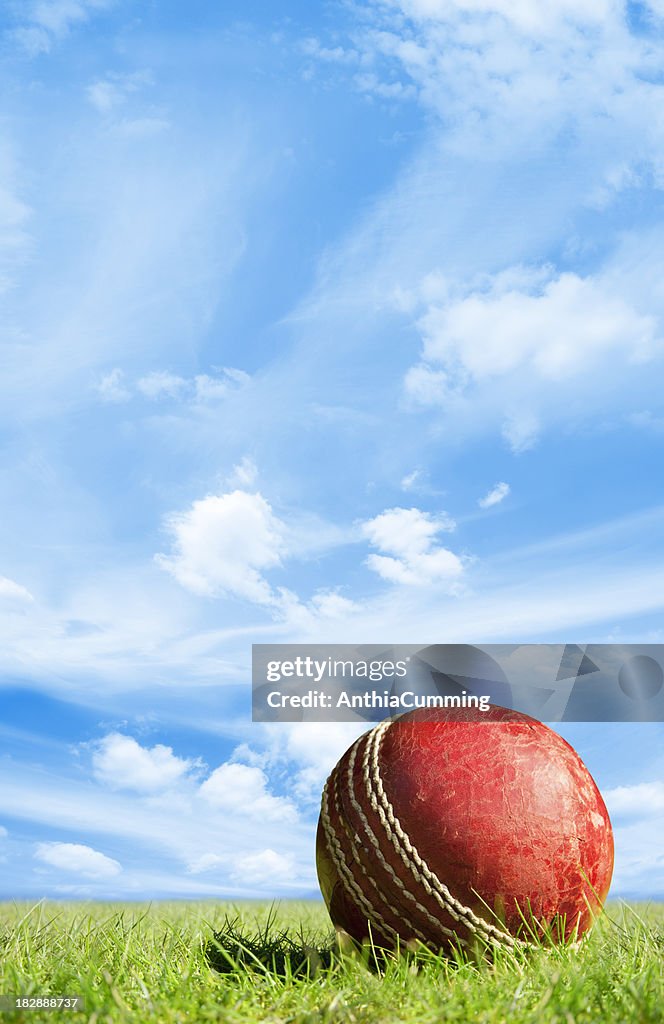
(500, 807)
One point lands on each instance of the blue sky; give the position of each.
(338, 323)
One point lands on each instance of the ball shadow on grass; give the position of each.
(274, 953)
(268, 952)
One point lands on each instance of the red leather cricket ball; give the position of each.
(452, 826)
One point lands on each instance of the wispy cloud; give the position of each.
(112, 388)
(108, 93)
(201, 388)
(412, 480)
(163, 385)
(138, 278)
(265, 866)
(497, 494)
(643, 800)
(244, 474)
(11, 591)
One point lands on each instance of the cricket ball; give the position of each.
(453, 827)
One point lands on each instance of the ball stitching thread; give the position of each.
(404, 847)
(371, 835)
(343, 871)
(409, 853)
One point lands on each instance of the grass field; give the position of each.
(134, 962)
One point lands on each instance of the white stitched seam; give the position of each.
(386, 865)
(408, 852)
(343, 871)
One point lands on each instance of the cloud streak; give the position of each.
(497, 494)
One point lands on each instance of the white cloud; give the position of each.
(119, 761)
(514, 73)
(369, 82)
(406, 531)
(75, 857)
(530, 16)
(334, 54)
(161, 384)
(311, 750)
(330, 604)
(207, 862)
(200, 389)
(425, 386)
(222, 543)
(639, 866)
(411, 480)
(430, 567)
(3, 832)
(111, 388)
(263, 868)
(505, 348)
(57, 16)
(12, 591)
(237, 376)
(242, 789)
(326, 608)
(560, 331)
(640, 801)
(411, 556)
(212, 389)
(495, 495)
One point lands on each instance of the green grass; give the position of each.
(134, 962)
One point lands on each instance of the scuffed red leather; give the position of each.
(500, 807)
